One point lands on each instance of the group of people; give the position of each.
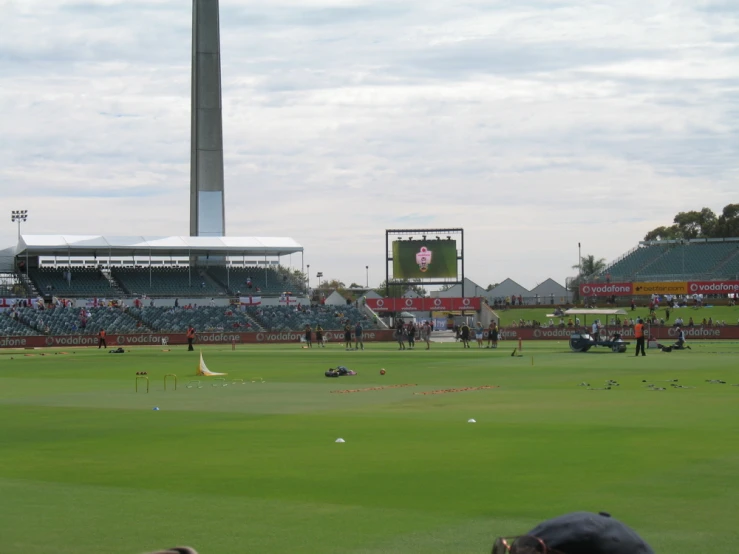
(463, 335)
(406, 333)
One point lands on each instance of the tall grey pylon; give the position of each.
(207, 206)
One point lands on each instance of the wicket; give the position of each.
(175, 380)
(137, 383)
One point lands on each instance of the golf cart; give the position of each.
(584, 341)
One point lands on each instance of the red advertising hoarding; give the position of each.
(606, 289)
(627, 333)
(713, 287)
(153, 339)
(423, 304)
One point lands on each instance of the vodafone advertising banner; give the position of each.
(713, 287)
(660, 333)
(151, 339)
(606, 289)
(423, 304)
(669, 287)
(627, 333)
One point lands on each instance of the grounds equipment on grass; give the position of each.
(582, 342)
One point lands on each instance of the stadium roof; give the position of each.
(96, 245)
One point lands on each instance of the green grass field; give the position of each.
(87, 466)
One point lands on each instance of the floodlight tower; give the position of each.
(207, 207)
(20, 216)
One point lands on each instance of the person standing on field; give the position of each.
(426, 333)
(358, 342)
(479, 332)
(308, 336)
(101, 339)
(639, 334)
(190, 338)
(465, 335)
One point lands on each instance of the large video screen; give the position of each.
(424, 259)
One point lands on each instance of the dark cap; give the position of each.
(589, 533)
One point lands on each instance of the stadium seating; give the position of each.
(68, 321)
(331, 318)
(699, 260)
(694, 260)
(85, 282)
(168, 281)
(729, 267)
(628, 266)
(269, 281)
(203, 318)
(11, 327)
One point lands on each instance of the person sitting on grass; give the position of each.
(575, 533)
(680, 343)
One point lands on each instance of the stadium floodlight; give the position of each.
(423, 237)
(448, 237)
(19, 216)
(437, 237)
(308, 275)
(319, 275)
(410, 238)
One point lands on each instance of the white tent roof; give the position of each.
(508, 287)
(549, 287)
(89, 245)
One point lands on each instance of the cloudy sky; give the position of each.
(533, 124)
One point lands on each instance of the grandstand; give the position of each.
(120, 267)
(697, 259)
(204, 318)
(89, 268)
(285, 318)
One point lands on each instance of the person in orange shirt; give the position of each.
(639, 334)
(190, 338)
(101, 339)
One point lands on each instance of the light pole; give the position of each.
(579, 260)
(19, 216)
(308, 266)
(319, 275)
(367, 269)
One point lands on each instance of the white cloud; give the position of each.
(534, 125)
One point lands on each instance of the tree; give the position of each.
(355, 286)
(491, 286)
(727, 224)
(399, 288)
(700, 224)
(446, 286)
(333, 284)
(693, 224)
(664, 233)
(590, 266)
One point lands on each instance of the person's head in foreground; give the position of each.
(576, 533)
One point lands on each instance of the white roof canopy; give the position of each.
(96, 245)
(595, 311)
